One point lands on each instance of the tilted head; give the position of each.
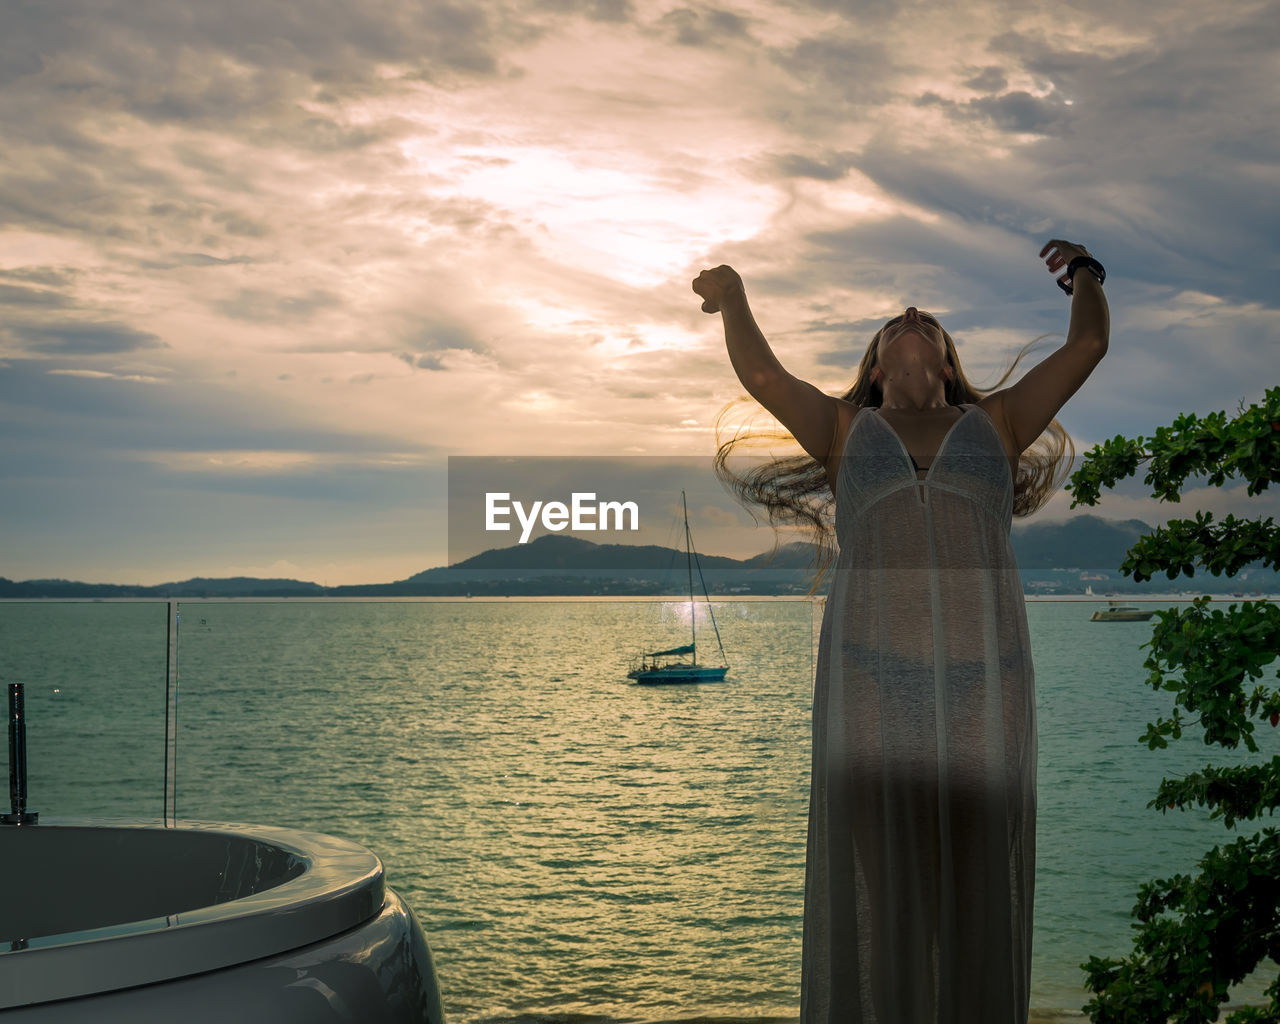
(913, 339)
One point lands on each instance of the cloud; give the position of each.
(990, 79)
(137, 378)
(686, 26)
(424, 362)
(847, 70)
(262, 306)
(829, 167)
(193, 259)
(960, 186)
(616, 11)
(205, 64)
(1013, 111)
(433, 335)
(11, 295)
(92, 412)
(53, 277)
(864, 14)
(86, 339)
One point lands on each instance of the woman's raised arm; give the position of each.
(812, 417)
(1029, 406)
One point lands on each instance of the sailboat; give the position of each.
(670, 666)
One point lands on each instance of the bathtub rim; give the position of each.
(342, 887)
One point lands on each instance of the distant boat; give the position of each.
(659, 666)
(1117, 612)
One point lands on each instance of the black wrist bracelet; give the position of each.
(1090, 264)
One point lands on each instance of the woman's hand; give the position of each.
(1063, 253)
(719, 287)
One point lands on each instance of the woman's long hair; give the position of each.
(794, 489)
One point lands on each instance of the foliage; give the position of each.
(1197, 936)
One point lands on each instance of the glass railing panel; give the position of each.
(94, 675)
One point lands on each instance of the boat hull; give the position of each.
(678, 675)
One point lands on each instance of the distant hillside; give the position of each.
(1063, 557)
(234, 586)
(1085, 542)
(553, 552)
(241, 586)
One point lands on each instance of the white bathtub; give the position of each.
(113, 921)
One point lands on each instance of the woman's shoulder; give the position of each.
(848, 410)
(846, 413)
(990, 404)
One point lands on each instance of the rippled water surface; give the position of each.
(574, 844)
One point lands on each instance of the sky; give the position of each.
(266, 265)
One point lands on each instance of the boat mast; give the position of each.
(710, 610)
(688, 561)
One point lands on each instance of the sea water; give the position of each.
(575, 845)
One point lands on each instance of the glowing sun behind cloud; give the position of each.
(592, 209)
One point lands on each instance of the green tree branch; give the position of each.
(1199, 935)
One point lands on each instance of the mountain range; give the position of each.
(1058, 557)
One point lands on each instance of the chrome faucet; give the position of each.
(18, 815)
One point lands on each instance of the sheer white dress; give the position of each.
(920, 871)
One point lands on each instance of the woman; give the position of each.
(921, 850)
